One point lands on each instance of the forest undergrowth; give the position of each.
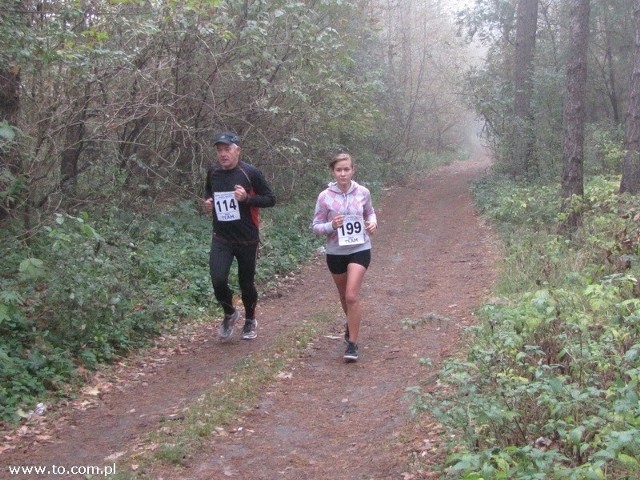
(549, 385)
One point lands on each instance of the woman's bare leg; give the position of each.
(349, 285)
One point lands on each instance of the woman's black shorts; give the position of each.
(338, 263)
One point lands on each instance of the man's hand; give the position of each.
(240, 193)
(207, 206)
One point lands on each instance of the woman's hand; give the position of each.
(337, 221)
(370, 227)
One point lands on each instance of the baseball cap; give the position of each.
(227, 137)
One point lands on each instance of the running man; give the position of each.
(234, 192)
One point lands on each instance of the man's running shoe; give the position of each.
(229, 320)
(351, 355)
(250, 329)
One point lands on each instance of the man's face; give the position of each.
(228, 155)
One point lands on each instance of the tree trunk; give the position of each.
(70, 156)
(9, 107)
(574, 111)
(609, 61)
(526, 28)
(631, 165)
(74, 142)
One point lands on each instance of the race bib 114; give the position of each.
(226, 206)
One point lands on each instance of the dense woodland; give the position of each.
(108, 107)
(101, 98)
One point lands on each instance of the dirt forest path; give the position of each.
(433, 259)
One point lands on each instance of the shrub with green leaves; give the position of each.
(549, 385)
(286, 240)
(81, 292)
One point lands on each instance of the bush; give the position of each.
(83, 292)
(549, 385)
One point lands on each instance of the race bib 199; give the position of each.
(226, 206)
(352, 231)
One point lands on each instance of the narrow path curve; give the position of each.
(327, 419)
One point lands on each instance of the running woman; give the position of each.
(344, 214)
(233, 192)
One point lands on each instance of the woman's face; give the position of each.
(343, 173)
